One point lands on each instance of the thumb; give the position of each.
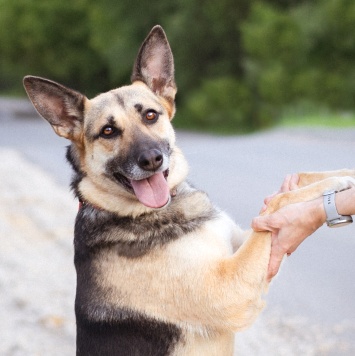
(274, 264)
(294, 181)
(261, 223)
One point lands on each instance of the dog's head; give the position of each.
(123, 145)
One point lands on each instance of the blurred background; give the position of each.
(241, 65)
(256, 68)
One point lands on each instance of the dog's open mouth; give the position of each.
(152, 192)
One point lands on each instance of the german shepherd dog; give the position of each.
(160, 270)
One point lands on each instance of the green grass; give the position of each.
(329, 120)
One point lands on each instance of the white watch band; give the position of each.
(334, 219)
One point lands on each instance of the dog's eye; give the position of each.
(109, 131)
(151, 116)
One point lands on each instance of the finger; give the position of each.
(269, 198)
(262, 223)
(271, 273)
(259, 224)
(294, 181)
(274, 265)
(263, 208)
(285, 187)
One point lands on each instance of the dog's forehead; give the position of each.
(123, 100)
(137, 93)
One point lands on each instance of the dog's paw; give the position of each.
(308, 178)
(309, 192)
(342, 183)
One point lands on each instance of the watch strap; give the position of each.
(333, 217)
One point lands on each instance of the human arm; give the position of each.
(345, 201)
(292, 224)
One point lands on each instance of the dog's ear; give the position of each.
(155, 65)
(62, 107)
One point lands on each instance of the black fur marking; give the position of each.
(104, 330)
(120, 100)
(78, 175)
(134, 237)
(139, 107)
(133, 335)
(111, 120)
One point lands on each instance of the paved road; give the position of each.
(317, 282)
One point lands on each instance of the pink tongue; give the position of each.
(153, 191)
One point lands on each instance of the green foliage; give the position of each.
(331, 54)
(239, 63)
(48, 39)
(223, 105)
(275, 53)
(306, 53)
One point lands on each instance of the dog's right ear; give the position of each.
(62, 107)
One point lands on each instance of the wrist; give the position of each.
(345, 201)
(317, 212)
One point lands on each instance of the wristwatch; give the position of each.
(334, 219)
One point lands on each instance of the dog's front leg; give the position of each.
(234, 286)
(307, 178)
(311, 191)
(241, 279)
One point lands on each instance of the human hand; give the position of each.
(289, 227)
(292, 224)
(290, 183)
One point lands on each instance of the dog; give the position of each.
(160, 269)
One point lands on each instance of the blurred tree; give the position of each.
(303, 54)
(275, 47)
(238, 62)
(207, 38)
(48, 39)
(329, 27)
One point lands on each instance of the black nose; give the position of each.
(150, 160)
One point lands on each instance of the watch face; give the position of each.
(344, 220)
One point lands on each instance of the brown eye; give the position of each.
(151, 115)
(109, 131)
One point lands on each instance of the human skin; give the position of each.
(292, 224)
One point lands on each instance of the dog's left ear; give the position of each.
(155, 65)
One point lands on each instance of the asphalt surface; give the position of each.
(316, 282)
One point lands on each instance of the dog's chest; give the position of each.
(158, 281)
(136, 236)
(163, 266)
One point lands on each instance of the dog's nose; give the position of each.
(150, 160)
